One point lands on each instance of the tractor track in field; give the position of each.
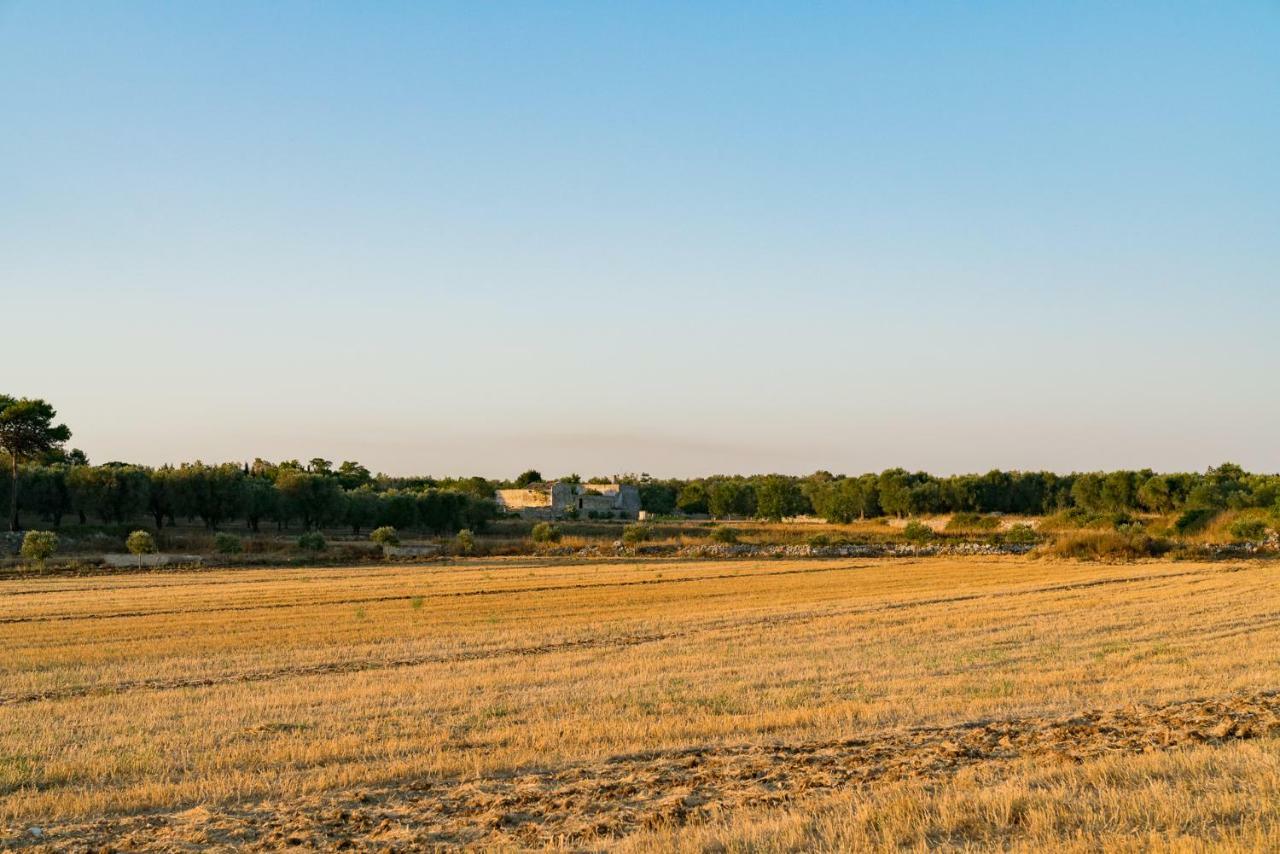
(588, 803)
(621, 641)
(541, 588)
(181, 576)
(443, 594)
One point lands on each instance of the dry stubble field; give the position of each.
(648, 705)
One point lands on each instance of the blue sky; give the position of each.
(676, 238)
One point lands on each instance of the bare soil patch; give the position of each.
(588, 804)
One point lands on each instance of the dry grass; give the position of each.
(1219, 798)
(1106, 545)
(134, 693)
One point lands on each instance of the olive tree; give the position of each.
(465, 542)
(39, 546)
(140, 543)
(385, 536)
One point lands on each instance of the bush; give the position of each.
(634, 535)
(1244, 530)
(312, 541)
(545, 532)
(728, 536)
(1069, 519)
(1123, 522)
(1021, 535)
(917, 532)
(465, 542)
(39, 546)
(972, 522)
(1108, 546)
(819, 541)
(1194, 520)
(140, 543)
(385, 536)
(227, 544)
(1078, 517)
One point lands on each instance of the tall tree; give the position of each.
(692, 497)
(316, 498)
(778, 496)
(352, 475)
(26, 431)
(894, 486)
(260, 500)
(728, 498)
(528, 477)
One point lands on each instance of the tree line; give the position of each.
(312, 496)
(51, 482)
(897, 492)
(318, 494)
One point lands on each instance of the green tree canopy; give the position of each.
(692, 498)
(27, 431)
(528, 477)
(778, 496)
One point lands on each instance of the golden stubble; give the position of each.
(152, 692)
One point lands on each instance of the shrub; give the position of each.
(39, 546)
(1077, 517)
(140, 543)
(385, 536)
(1245, 530)
(917, 532)
(465, 542)
(227, 544)
(633, 535)
(1108, 545)
(728, 536)
(312, 541)
(972, 522)
(1021, 535)
(545, 532)
(819, 541)
(1194, 520)
(1074, 517)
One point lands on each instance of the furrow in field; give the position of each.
(451, 594)
(599, 642)
(548, 588)
(178, 577)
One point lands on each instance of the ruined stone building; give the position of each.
(557, 499)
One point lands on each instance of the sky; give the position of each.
(683, 239)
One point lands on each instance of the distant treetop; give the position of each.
(528, 477)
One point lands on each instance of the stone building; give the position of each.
(557, 499)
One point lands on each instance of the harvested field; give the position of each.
(654, 704)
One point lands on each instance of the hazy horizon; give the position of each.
(453, 239)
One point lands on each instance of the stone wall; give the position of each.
(560, 498)
(515, 500)
(133, 561)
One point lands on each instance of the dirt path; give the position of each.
(595, 801)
